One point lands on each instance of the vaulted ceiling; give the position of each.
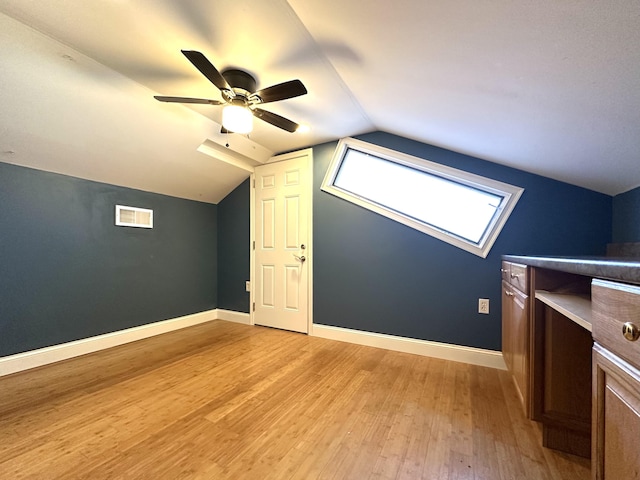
(549, 87)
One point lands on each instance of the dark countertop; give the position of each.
(622, 269)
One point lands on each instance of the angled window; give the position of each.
(460, 208)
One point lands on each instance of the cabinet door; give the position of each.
(616, 417)
(520, 330)
(515, 339)
(507, 330)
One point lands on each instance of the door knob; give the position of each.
(301, 258)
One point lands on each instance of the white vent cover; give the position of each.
(134, 217)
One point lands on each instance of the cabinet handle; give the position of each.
(504, 270)
(630, 332)
(509, 294)
(514, 275)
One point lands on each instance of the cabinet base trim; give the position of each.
(445, 351)
(565, 440)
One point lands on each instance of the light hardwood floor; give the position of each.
(230, 401)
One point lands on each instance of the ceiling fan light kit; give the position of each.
(238, 89)
(237, 119)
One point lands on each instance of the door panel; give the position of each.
(268, 223)
(282, 204)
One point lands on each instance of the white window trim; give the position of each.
(510, 193)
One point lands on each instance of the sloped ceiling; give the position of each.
(548, 87)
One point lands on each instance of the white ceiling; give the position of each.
(550, 87)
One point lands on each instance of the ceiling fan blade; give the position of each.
(207, 69)
(275, 120)
(205, 101)
(282, 91)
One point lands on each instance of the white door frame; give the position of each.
(308, 152)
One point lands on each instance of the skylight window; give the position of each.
(460, 208)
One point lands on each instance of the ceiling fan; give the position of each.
(241, 99)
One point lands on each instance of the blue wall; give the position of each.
(66, 272)
(626, 216)
(373, 274)
(233, 249)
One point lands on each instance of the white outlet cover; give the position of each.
(483, 306)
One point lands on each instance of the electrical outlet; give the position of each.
(247, 286)
(483, 305)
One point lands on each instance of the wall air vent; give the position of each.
(134, 217)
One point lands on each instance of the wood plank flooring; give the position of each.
(230, 401)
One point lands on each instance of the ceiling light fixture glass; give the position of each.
(237, 118)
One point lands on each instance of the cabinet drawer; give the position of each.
(518, 276)
(505, 270)
(613, 305)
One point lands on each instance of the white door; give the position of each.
(282, 234)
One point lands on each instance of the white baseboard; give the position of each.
(44, 356)
(231, 316)
(456, 353)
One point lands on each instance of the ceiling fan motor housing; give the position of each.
(239, 79)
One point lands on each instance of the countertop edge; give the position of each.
(619, 269)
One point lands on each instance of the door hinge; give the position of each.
(254, 306)
(254, 183)
(254, 244)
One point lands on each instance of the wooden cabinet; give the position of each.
(546, 345)
(580, 337)
(561, 359)
(616, 381)
(562, 395)
(515, 328)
